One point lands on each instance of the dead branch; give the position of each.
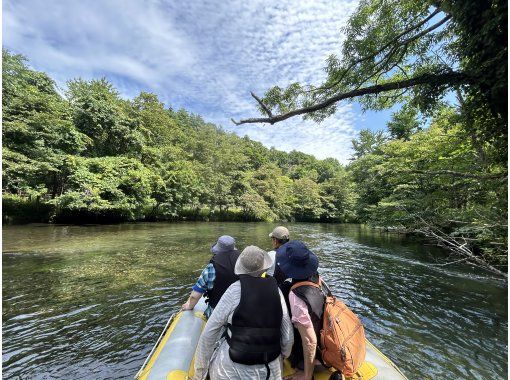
(452, 244)
(464, 259)
(461, 249)
(264, 107)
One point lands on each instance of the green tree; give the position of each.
(414, 53)
(105, 189)
(367, 142)
(339, 198)
(403, 123)
(37, 131)
(156, 123)
(99, 113)
(308, 202)
(274, 188)
(436, 185)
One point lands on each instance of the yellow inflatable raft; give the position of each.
(172, 356)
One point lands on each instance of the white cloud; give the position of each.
(203, 56)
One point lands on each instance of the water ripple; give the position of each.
(89, 302)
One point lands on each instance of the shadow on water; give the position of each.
(89, 301)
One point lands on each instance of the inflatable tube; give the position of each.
(172, 356)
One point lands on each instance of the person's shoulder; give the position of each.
(233, 294)
(208, 269)
(234, 287)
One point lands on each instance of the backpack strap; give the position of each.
(307, 283)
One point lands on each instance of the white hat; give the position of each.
(253, 261)
(281, 233)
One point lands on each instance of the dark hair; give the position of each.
(281, 241)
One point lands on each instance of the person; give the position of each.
(279, 237)
(306, 304)
(250, 326)
(217, 276)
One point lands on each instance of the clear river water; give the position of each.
(89, 302)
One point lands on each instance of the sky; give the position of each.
(204, 56)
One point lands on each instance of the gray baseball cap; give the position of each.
(280, 232)
(253, 261)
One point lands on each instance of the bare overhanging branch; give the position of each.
(452, 77)
(451, 243)
(461, 249)
(264, 107)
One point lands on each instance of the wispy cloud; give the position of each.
(203, 56)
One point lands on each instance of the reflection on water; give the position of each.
(88, 302)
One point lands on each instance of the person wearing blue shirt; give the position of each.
(217, 276)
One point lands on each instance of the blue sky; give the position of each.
(204, 56)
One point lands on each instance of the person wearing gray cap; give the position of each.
(249, 331)
(279, 237)
(217, 276)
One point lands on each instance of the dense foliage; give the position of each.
(438, 183)
(89, 155)
(415, 52)
(445, 61)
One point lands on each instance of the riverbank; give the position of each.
(19, 210)
(16, 211)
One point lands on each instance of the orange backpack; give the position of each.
(342, 336)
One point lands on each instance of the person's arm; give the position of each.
(302, 321)
(204, 283)
(192, 300)
(309, 341)
(287, 332)
(214, 328)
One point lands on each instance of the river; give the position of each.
(88, 302)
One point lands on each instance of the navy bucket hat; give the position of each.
(296, 260)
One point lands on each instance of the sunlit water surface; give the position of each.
(88, 302)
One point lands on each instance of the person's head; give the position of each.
(296, 261)
(225, 243)
(252, 261)
(279, 236)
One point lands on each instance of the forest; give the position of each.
(437, 169)
(91, 156)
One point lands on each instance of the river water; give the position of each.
(88, 302)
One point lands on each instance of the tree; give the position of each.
(409, 52)
(367, 142)
(95, 156)
(254, 206)
(156, 123)
(99, 113)
(104, 189)
(339, 198)
(308, 203)
(38, 131)
(403, 123)
(433, 184)
(274, 188)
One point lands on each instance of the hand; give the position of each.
(186, 306)
(298, 375)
